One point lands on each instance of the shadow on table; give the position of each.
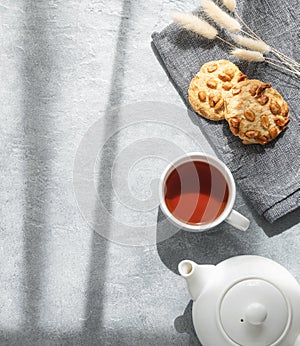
(38, 70)
(113, 337)
(279, 226)
(209, 247)
(184, 324)
(94, 306)
(38, 93)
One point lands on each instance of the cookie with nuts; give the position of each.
(210, 88)
(256, 112)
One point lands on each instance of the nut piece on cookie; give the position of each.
(257, 113)
(202, 96)
(215, 79)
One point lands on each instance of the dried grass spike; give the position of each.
(230, 4)
(248, 55)
(220, 16)
(195, 24)
(252, 44)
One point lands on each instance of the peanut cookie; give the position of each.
(256, 112)
(212, 85)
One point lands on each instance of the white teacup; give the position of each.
(228, 214)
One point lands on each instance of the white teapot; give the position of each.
(245, 300)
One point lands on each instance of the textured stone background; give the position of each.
(64, 64)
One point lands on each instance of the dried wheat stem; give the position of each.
(193, 23)
(280, 66)
(251, 43)
(255, 56)
(257, 46)
(284, 61)
(284, 58)
(278, 53)
(253, 34)
(248, 34)
(228, 43)
(249, 55)
(219, 16)
(292, 67)
(230, 4)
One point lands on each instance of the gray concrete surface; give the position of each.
(68, 274)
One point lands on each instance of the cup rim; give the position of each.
(212, 160)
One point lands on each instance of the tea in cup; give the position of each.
(197, 192)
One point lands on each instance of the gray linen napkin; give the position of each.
(268, 175)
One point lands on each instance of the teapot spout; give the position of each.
(196, 276)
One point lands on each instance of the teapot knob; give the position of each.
(256, 313)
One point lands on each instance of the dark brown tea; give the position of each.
(196, 192)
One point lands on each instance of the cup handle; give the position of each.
(237, 220)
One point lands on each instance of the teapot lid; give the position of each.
(254, 312)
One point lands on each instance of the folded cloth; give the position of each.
(268, 175)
